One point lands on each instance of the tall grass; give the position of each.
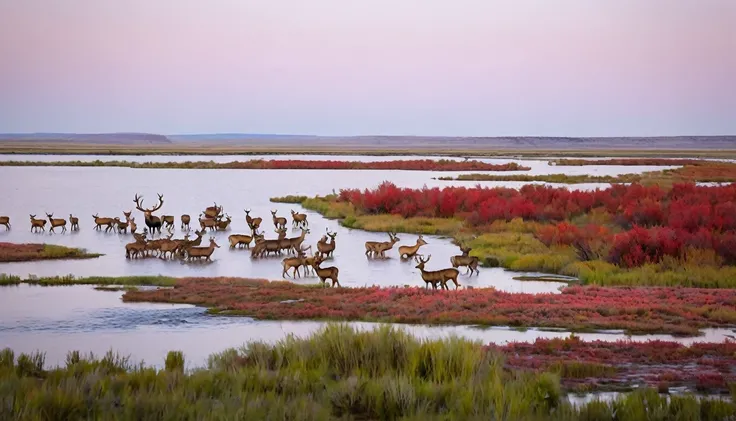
(336, 373)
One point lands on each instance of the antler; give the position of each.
(139, 203)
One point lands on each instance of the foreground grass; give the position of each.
(336, 373)
(260, 164)
(11, 252)
(681, 311)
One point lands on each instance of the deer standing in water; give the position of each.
(56, 222)
(153, 222)
(122, 226)
(167, 220)
(471, 262)
(100, 221)
(185, 219)
(5, 220)
(199, 252)
(253, 223)
(37, 223)
(407, 252)
(241, 240)
(378, 248)
(132, 250)
(295, 262)
(278, 221)
(325, 273)
(299, 220)
(73, 222)
(435, 277)
(212, 212)
(132, 225)
(325, 247)
(222, 224)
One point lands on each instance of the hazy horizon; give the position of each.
(332, 68)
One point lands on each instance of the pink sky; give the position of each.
(336, 67)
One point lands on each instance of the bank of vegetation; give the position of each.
(12, 252)
(684, 235)
(337, 373)
(286, 164)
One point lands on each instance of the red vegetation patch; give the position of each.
(660, 221)
(11, 252)
(707, 367)
(640, 310)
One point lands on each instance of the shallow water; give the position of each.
(109, 191)
(60, 319)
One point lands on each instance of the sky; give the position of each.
(378, 67)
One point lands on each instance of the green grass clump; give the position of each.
(6, 279)
(289, 199)
(336, 373)
(51, 251)
(153, 280)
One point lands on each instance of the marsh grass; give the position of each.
(154, 280)
(10, 252)
(6, 280)
(336, 373)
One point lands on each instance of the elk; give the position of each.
(253, 223)
(223, 224)
(436, 276)
(5, 220)
(73, 221)
(471, 262)
(185, 219)
(155, 245)
(171, 246)
(121, 226)
(167, 220)
(189, 243)
(278, 221)
(241, 240)
(299, 220)
(100, 221)
(325, 273)
(153, 222)
(378, 248)
(324, 247)
(212, 212)
(127, 215)
(268, 246)
(37, 223)
(200, 252)
(296, 242)
(131, 223)
(136, 247)
(410, 251)
(294, 262)
(207, 223)
(56, 222)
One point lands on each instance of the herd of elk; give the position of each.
(378, 248)
(407, 252)
(163, 247)
(435, 277)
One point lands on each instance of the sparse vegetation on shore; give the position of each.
(290, 164)
(11, 252)
(336, 373)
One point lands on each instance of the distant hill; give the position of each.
(238, 136)
(95, 138)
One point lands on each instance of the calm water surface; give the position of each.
(59, 319)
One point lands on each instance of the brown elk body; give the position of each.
(200, 252)
(295, 262)
(407, 252)
(132, 250)
(185, 219)
(152, 222)
(278, 221)
(471, 262)
(37, 224)
(223, 223)
(299, 220)
(378, 248)
(325, 247)
(213, 212)
(324, 274)
(253, 223)
(100, 221)
(73, 223)
(267, 247)
(56, 222)
(242, 240)
(122, 226)
(207, 223)
(167, 220)
(132, 224)
(295, 243)
(435, 277)
(172, 246)
(5, 220)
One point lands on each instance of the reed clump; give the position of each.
(336, 373)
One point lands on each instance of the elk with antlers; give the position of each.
(407, 252)
(222, 224)
(5, 220)
(153, 222)
(295, 262)
(435, 277)
(200, 252)
(325, 273)
(278, 221)
(56, 222)
(295, 243)
(253, 223)
(299, 220)
(37, 224)
(325, 247)
(378, 248)
(185, 219)
(471, 262)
